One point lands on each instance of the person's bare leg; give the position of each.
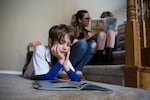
(110, 39)
(101, 40)
(110, 45)
(94, 47)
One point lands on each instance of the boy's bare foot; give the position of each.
(32, 45)
(63, 75)
(80, 75)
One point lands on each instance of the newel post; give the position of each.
(132, 46)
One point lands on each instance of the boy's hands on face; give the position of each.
(66, 61)
(67, 56)
(61, 56)
(58, 52)
(55, 50)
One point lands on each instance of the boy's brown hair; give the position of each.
(57, 33)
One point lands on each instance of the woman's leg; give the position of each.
(78, 50)
(87, 56)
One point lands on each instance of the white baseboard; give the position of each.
(10, 72)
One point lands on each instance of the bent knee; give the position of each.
(94, 45)
(102, 36)
(82, 44)
(111, 33)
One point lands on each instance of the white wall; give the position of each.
(22, 21)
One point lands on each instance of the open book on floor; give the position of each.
(58, 85)
(104, 24)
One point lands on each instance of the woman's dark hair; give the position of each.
(57, 32)
(80, 14)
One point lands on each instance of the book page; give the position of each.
(97, 24)
(56, 85)
(109, 23)
(88, 86)
(66, 85)
(103, 24)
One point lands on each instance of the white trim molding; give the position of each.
(10, 72)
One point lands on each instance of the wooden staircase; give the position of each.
(119, 51)
(137, 43)
(136, 66)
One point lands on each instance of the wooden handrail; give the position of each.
(142, 26)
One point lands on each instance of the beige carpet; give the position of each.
(15, 87)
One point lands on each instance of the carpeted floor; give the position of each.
(15, 87)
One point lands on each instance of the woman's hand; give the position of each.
(90, 34)
(74, 41)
